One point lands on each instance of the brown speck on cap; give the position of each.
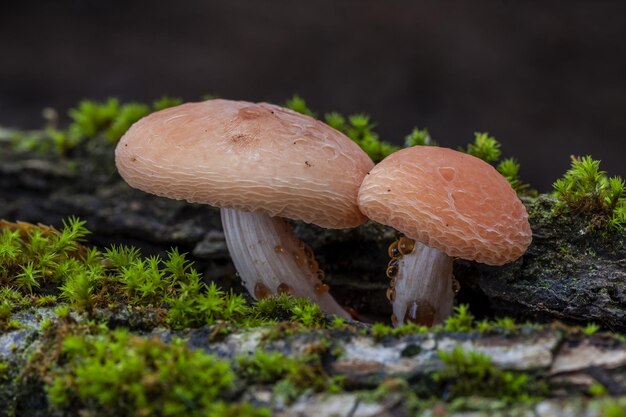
(240, 155)
(448, 200)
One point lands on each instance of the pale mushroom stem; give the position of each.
(422, 284)
(270, 259)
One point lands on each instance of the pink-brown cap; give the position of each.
(448, 200)
(253, 157)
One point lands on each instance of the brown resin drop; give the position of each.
(393, 268)
(261, 291)
(394, 320)
(299, 258)
(392, 271)
(313, 265)
(283, 289)
(421, 313)
(320, 274)
(391, 294)
(279, 249)
(406, 245)
(321, 288)
(393, 250)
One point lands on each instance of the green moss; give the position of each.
(590, 329)
(91, 117)
(4, 370)
(166, 102)
(586, 190)
(128, 114)
(509, 168)
(91, 121)
(597, 390)
(40, 265)
(286, 308)
(297, 104)
(461, 320)
(124, 375)
(380, 330)
(360, 129)
(613, 407)
(290, 376)
(62, 312)
(471, 373)
(419, 137)
(484, 147)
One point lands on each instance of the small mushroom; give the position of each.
(259, 163)
(448, 204)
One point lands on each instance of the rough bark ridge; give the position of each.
(564, 359)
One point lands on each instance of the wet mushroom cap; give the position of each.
(247, 156)
(448, 200)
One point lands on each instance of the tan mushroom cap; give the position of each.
(252, 157)
(448, 200)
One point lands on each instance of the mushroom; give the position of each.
(447, 204)
(260, 164)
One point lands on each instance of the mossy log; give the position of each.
(380, 376)
(573, 271)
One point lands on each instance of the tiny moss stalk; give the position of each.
(270, 259)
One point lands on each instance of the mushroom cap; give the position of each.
(247, 156)
(448, 200)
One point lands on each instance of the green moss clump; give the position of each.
(471, 373)
(419, 137)
(462, 320)
(100, 121)
(290, 376)
(613, 407)
(297, 104)
(484, 147)
(40, 265)
(124, 375)
(286, 308)
(361, 130)
(586, 190)
(380, 330)
(4, 370)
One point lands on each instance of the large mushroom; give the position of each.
(447, 204)
(260, 164)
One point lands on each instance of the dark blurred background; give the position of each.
(547, 78)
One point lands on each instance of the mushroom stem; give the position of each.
(422, 283)
(270, 259)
